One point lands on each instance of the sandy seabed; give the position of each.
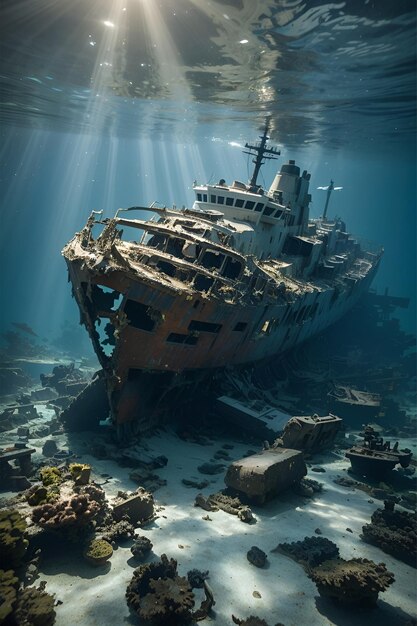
(95, 596)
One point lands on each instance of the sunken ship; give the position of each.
(243, 275)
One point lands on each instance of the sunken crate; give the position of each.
(263, 476)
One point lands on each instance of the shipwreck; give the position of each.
(241, 276)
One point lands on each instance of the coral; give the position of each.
(13, 537)
(9, 584)
(35, 607)
(395, 532)
(38, 494)
(98, 551)
(197, 578)
(310, 552)
(158, 595)
(256, 556)
(51, 476)
(118, 532)
(78, 510)
(141, 547)
(250, 621)
(80, 473)
(357, 581)
(95, 492)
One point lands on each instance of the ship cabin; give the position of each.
(280, 212)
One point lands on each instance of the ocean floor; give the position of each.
(279, 592)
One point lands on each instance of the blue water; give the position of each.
(111, 104)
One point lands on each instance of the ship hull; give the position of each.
(173, 335)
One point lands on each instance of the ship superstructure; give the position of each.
(241, 276)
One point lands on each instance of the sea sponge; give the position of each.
(357, 581)
(117, 532)
(38, 494)
(13, 537)
(98, 551)
(159, 596)
(80, 473)
(9, 584)
(51, 476)
(35, 607)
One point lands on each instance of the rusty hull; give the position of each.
(151, 309)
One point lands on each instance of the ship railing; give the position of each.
(369, 246)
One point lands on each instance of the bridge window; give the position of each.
(213, 198)
(249, 204)
(229, 201)
(211, 260)
(139, 316)
(204, 327)
(268, 210)
(232, 268)
(239, 203)
(166, 268)
(220, 200)
(189, 340)
(203, 283)
(199, 197)
(259, 206)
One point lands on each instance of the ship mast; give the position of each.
(261, 153)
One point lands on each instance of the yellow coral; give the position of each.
(51, 476)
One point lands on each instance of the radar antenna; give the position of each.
(329, 189)
(260, 152)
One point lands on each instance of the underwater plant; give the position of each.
(98, 551)
(13, 537)
(51, 476)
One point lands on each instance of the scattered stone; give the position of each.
(207, 518)
(49, 448)
(118, 532)
(196, 484)
(318, 531)
(211, 468)
(221, 454)
(141, 547)
(307, 487)
(256, 594)
(23, 431)
(245, 515)
(204, 503)
(41, 431)
(318, 469)
(233, 505)
(138, 508)
(257, 557)
(310, 552)
(354, 582)
(395, 532)
(349, 530)
(252, 620)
